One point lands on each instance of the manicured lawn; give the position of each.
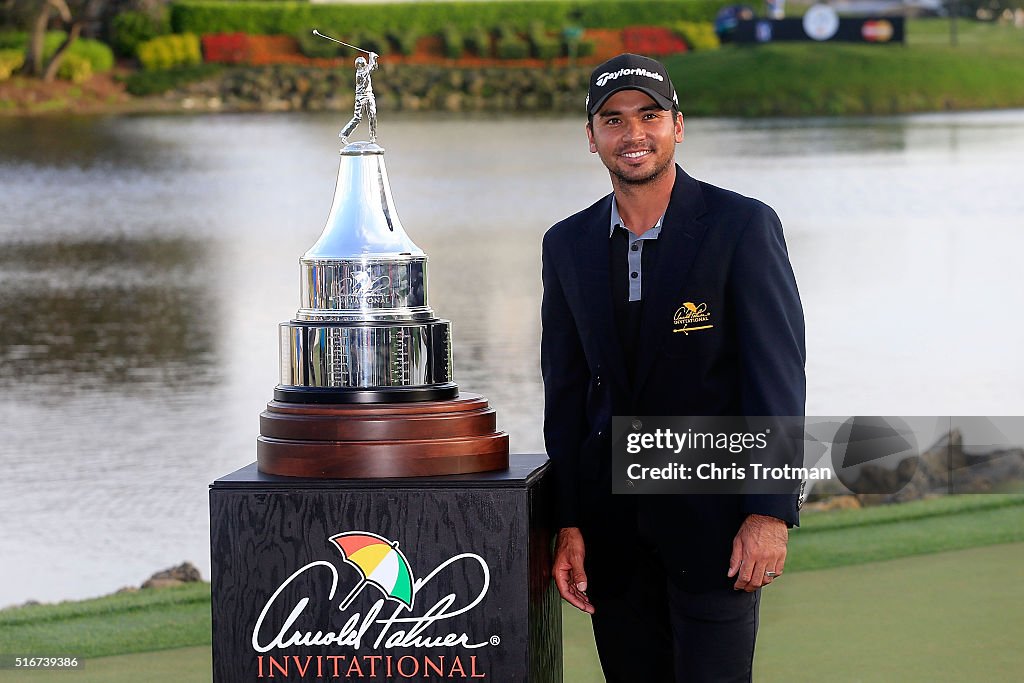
(927, 74)
(890, 593)
(951, 616)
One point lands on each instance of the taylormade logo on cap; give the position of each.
(606, 76)
(630, 72)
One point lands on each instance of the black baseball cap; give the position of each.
(631, 72)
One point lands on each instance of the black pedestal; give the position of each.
(431, 578)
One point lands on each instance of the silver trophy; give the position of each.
(365, 332)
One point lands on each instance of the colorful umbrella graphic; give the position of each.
(380, 563)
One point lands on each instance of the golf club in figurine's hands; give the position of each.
(365, 101)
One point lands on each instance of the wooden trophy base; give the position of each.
(354, 441)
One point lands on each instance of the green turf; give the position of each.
(944, 617)
(985, 71)
(848, 539)
(182, 665)
(118, 624)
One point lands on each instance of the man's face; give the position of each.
(634, 137)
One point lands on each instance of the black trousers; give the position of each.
(656, 632)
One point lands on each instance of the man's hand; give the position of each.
(568, 569)
(759, 548)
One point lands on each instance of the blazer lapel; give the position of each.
(678, 244)
(592, 257)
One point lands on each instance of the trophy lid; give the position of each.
(363, 220)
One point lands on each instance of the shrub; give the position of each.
(478, 40)
(272, 49)
(99, 55)
(74, 68)
(454, 44)
(231, 48)
(369, 40)
(315, 46)
(585, 48)
(166, 52)
(404, 40)
(129, 29)
(155, 82)
(13, 40)
(510, 45)
(10, 61)
(653, 41)
(698, 35)
(224, 16)
(542, 45)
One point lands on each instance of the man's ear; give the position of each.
(679, 127)
(590, 138)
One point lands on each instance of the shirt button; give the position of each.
(597, 380)
(637, 424)
(635, 247)
(634, 275)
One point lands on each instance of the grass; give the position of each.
(117, 624)
(943, 617)
(851, 537)
(927, 74)
(152, 620)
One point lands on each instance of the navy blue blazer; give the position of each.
(724, 254)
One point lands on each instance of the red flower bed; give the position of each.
(226, 48)
(652, 41)
(275, 50)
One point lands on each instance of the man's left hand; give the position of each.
(758, 550)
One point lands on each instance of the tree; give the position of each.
(73, 15)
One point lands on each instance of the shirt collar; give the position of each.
(616, 221)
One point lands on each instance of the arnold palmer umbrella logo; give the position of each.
(399, 617)
(380, 562)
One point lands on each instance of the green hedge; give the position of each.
(248, 16)
(129, 29)
(155, 82)
(542, 45)
(454, 43)
(510, 45)
(10, 61)
(478, 41)
(167, 52)
(99, 55)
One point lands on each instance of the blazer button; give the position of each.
(637, 424)
(597, 380)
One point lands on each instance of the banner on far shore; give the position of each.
(821, 28)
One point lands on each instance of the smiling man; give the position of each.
(672, 582)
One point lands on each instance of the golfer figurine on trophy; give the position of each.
(367, 387)
(365, 101)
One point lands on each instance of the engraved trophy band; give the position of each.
(365, 332)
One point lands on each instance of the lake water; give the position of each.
(145, 263)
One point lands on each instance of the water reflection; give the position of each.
(125, 315)
(145, 263)
(83, 141)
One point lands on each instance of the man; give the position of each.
(365, 100)
(672, 582)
